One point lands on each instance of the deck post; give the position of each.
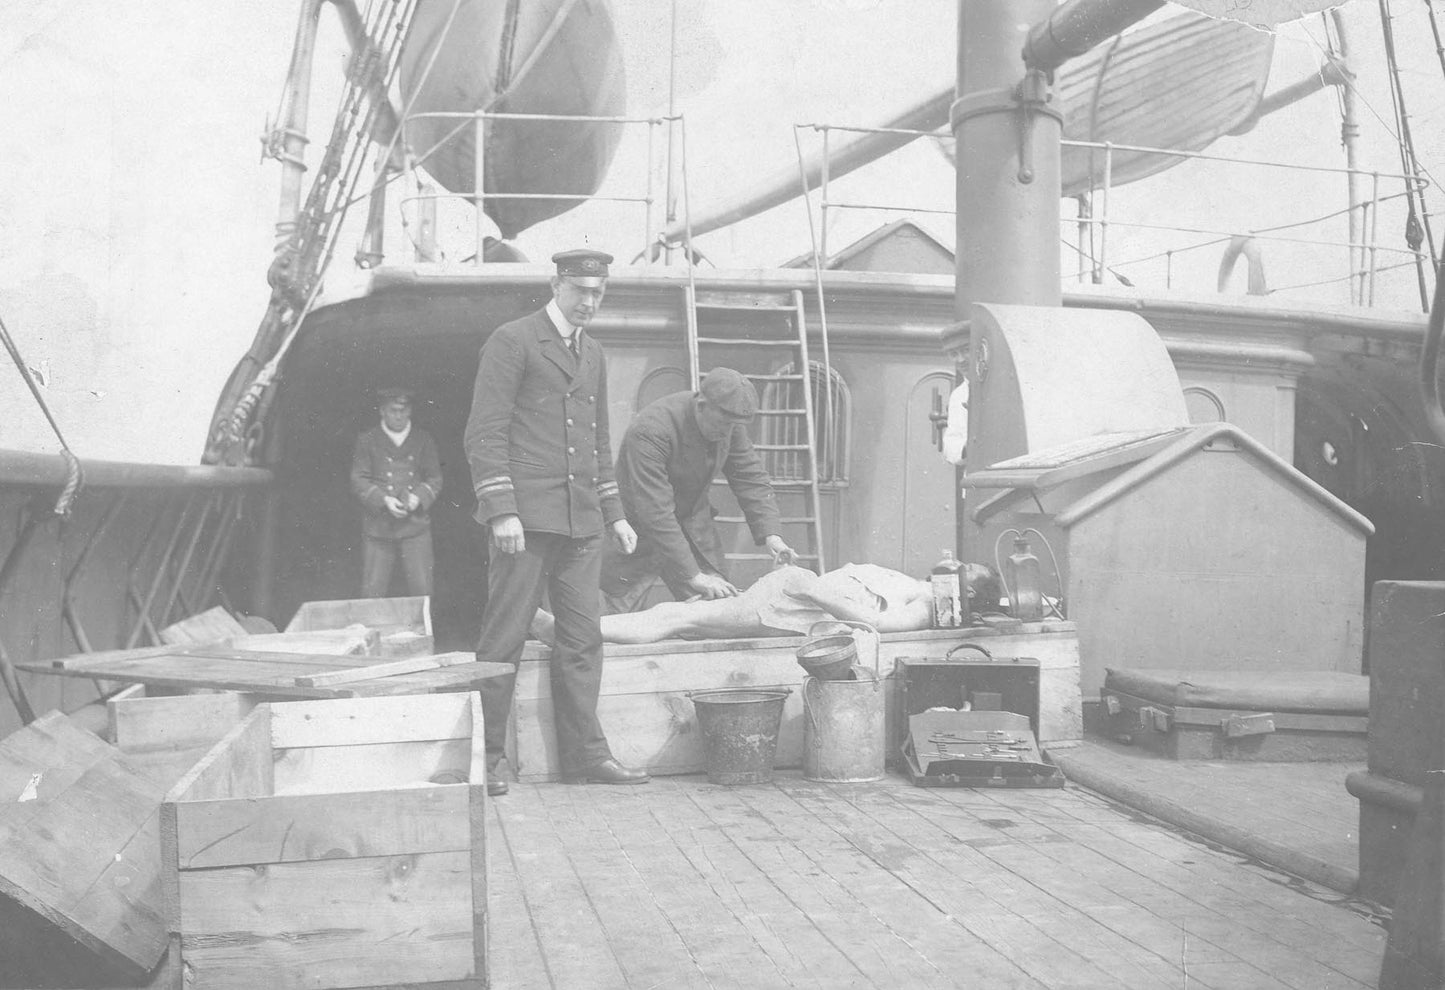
(1008, 182)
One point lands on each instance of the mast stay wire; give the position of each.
(1419, 171)
(1409, 162)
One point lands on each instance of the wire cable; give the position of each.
(74, 475)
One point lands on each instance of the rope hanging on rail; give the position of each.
(74, 476)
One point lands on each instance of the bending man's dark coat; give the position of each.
(665, 469)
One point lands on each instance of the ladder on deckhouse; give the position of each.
(754, 329)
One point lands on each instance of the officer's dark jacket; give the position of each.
(665, 469)
(380, 468)
(536, 439)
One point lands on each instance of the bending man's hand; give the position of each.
(712, 586)
(625, 536)
(507, 534)
(782, 553)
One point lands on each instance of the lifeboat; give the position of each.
(556, 57)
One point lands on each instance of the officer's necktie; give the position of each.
(574, 343)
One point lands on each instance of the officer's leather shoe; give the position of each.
(609, 772)
(496, 787)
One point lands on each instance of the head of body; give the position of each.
(724, 399)
(395, 408)
(580, 283)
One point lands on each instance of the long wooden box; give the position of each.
(329, 844)
(650, 722)
(1183, 733)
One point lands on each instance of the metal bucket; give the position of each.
(740, 732)
(843, 728)
(829, 658)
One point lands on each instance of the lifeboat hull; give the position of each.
(515, 56)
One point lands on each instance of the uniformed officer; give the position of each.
(665, 466)
(396, 474)
(541, 460)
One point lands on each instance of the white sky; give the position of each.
(136, 220)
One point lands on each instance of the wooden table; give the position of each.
(271, 675)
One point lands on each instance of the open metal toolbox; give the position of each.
(993, 744)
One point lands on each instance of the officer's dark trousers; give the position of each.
(568, 569)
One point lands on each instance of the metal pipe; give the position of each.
(1374, 234)
(479, 185)
(782, 186)
(23, 468)
(647, 219)
(1104, 217)
(670, 194)
(1349, 137)
(822, 259)
(1008, 176)
(1077, 26)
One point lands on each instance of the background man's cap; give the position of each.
(730, 391)
(395, 394)
(582, 263)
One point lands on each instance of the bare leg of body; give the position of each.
(724, 618)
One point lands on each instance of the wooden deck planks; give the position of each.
(803, 885)
(1062, 906)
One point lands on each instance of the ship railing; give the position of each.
(1363, 244)
(144, 546)
(424, 245)
(1368, 256)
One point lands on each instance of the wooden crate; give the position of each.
(333, 843)
(139, 723)
(650, 721)
(402, 625)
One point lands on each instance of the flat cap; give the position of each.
(582, 263)
(729, 391)
(395, 394)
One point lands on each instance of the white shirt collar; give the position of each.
(397, 438)
(559, 321)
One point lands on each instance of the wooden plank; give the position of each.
(573, 942)
(182, 721)
(366, 721)
(238, 766)
(410, 665)
(86, 859)
(101, 656)
(985, 904)
(517, 960)
(322, 826)
(336, 922)
(45, 757)
(333, 769)
(354, 640)
(210, 626)
(413, 612)
(856, 937)
(273, 674)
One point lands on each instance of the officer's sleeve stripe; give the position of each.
(495, 485)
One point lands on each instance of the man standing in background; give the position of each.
(396, 474)
(540, 453)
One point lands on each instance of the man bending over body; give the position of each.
(786, 601)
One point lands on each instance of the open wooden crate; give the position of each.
(328, 844)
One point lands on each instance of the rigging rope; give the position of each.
(1409, 164)
(74, 476)
(296, 273)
